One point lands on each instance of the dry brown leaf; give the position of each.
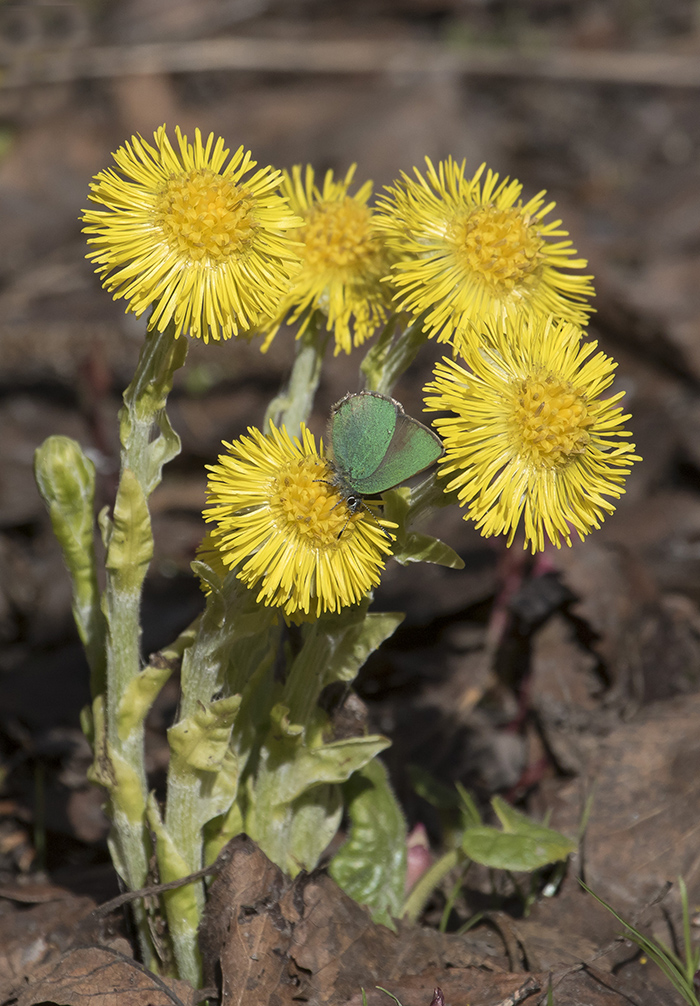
(459, 988)
(31, 937)
(243, 929)
(96, 976)
(565, 692)
(278, 942)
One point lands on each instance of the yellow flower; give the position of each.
(344, 259)
(185, 232)
(470, 251)
(532, 439)
(286, 528)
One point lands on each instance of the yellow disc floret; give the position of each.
(338, 236)
(549, 420)
(503, 247)
(304, 502)
(203, 215)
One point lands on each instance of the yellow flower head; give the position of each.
(470, 251)
(291, 534)
(343, 259)
(185, 232)
(531, 437)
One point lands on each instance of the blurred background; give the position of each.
(596, 101)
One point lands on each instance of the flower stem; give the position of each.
(306, 676)
(204, 770)
(424, 887)
(294, 404)
(391, 356)
(129, 544)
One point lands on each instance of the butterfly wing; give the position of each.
(376, 445)
(413, 448)
(361, 429)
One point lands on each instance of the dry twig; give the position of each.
(351, 57)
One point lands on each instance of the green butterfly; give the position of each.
(376, 446)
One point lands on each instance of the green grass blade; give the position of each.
(671, 965)
(390, 994)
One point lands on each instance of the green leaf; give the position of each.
(523, 845)
(294, 768)
(144, 405)
(221, 829)
(117, 775)
(220, 789)
(139, 695)
(233, 630)
(371, 865)
(356, 644)
(335, 648)
(313, 821)
(182, 904)
(282, 725)
(202, 740)
(164, 448)
(468, 808)
(210, 795)
(403, 506)
(104, 523)
(296, 774)
(292, 835)
(252, 661)
(293, 778)
(678, 972)
(93, 724)
(130, 546)
(425, 548)
(390, 994)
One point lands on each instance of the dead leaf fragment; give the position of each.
(95, 976)
(33, 936)
(244, 930)
(279, 942)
